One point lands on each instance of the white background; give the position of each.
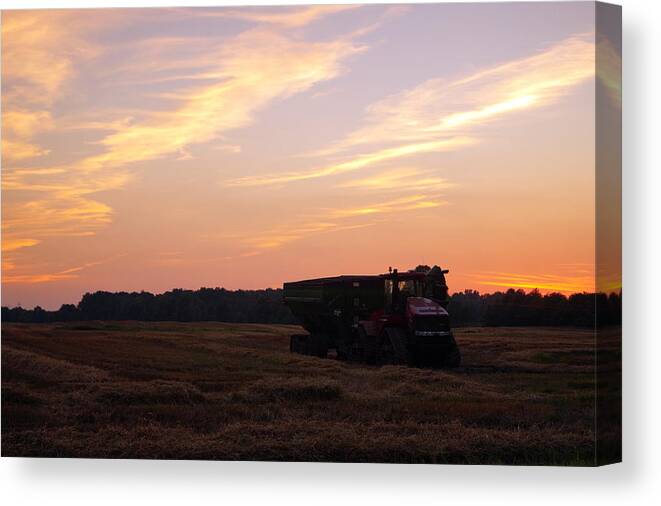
(636, 481)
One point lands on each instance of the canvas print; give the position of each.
(341, 233)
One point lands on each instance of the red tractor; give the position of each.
(393, 318)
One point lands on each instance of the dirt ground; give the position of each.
(234, 392)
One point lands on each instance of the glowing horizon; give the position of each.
(148, 149)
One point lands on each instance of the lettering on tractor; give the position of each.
(393, 318)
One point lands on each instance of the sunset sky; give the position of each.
(243, 147)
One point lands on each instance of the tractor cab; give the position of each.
(418, 301)
(399, 287)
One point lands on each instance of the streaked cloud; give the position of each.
(564, 283)
(9, 244)
(332, 220)
(399, 179)
(282, 16)
(38, 59)
(256, 67)
(359, 162)
(39, 50)
(25, 123)
(65, 274)
(13, 151)
(407, 203)
(54, 205)
(280, 236)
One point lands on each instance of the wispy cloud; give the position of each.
(12, 244)
(65, 274)
(280, 236)
(55, 209)
(257, 67)
(407, 203)
(39, 56)
(39, 51)
(16, 150)
(359, 162)
(36, 61)
(332, 220)
(399, 179)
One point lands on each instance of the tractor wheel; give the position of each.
(453, 358)
(343, 341)
(368, 345)
(318, 345)
(393, 349)
(298, 343)
(355, 348)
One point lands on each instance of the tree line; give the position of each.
(509, 308)
(205, 304)
(516, 307)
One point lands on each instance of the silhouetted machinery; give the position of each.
(393, 318)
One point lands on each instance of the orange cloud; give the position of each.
(18, 150)
(276, 238)
(407, 203)
(256, 67)
(9, 244)
(570, 283)
(25, 123)
(39, 51)
(49, 203)
(70, 273)
(401, 179)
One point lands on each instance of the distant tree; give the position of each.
(422, 268)
(67, 313)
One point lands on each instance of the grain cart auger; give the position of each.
(393, 318)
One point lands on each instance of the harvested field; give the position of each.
(234, 392)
